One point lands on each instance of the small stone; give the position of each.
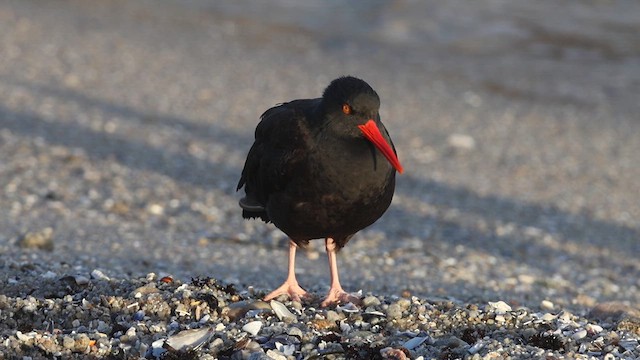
(548, 317)
(394, 311)
(30, 305)
(155, 209)
(149, 288)
(131, 332)
(404, 303)
(41, 239)
(370, 301)
(630, 325)
(294, 331)
(182, 310)
(103, 327)
(333, 316)
(204, 319)
(546, 305)
(323, 324)
(499, 307)
(192, 338)
(476, 347)
(22, 337)
(461, 141)
(579, 334)
(71, 80)
(348, 307)
(139, 315)
(613, 311)
(258, 355)
(565, 316)
(281, 311)
(391, 353)
(99, 275)
(157, 348)
(239, 309)
(593, 328)
(81, 280)
(526, 279)
(49, 275)
(216, 343)
(143, 348)
(252, 327)
(296, 305)
(276, 355)
(415, 342)
(81, 343)
(68, 342)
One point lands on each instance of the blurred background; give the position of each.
(124, 126)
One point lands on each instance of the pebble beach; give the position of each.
(514, 232)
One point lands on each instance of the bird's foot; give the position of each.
(339, 296)
(290, 288)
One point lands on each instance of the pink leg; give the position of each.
(290, 286)
(336, 293)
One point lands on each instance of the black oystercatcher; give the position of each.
(321, 168)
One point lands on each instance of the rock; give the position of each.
(476, 347)
(238, 309)
(190, 339)
(294, 331)
(81, 343)
(40, 239)
(394, 311)
(593, 329)
(49, 275)
(81, 280)
(499, 307)
(68, 342)
(370, 301)
(580, 334)
(99, 275)
(253, 327)
(613, 311)
(546, 305)
(276, 355)
(333, 316)
(461, 142)
(404, 303)
(415, 342)
(547, 317)
(631, 325)
(391, 353)
(282, 312)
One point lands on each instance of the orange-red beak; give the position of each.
(372, 133)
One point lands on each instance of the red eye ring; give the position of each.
(346, 108)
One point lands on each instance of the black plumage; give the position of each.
(321, 168)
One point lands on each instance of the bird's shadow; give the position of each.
(579, 229)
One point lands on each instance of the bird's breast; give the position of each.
(342, 188)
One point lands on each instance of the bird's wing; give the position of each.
(280, 147)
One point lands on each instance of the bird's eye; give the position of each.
(346, 108)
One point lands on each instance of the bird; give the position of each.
(321, 168)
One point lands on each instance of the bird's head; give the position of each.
(352, 102)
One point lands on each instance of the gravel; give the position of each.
(164, 318)
(514, 231)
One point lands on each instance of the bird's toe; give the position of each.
(292, 290)
(341, 297)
